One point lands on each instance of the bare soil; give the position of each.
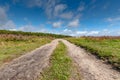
(28, 66)
(89, 66)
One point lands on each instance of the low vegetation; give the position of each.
(11, 49)
(60, 65)
(106, 48)
(15, 43)
(32, 34)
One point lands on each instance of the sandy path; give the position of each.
(90, 67)
(29, 66)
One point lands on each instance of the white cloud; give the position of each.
(59, 9)
(30, 3)
(113, 19)
(33, 3)
(78, 16)
(5, 23)
(107, 32)
(67, 30)
(105, 7)
(81, 32)
(27, 28)
(13, 29)
(53, 8)
(93, 33)
(60, 12)
(119, 10)
(8, 25)
(104, 32)
(109, 19)
(81, 8)
(57, 24)
(67, 15)
(74, 23)
(86, 33)
(3, 15)
(25, 19)
(49, 8)
(47, 5)
(32, 28)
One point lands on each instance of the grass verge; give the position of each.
(10, 49)
(60, 65)
(106, 49)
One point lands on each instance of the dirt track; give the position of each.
(29, 66)
(89, 66)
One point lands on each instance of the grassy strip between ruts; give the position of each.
(106, 49)
(61, 65)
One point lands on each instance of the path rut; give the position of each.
(89, 66)
(28, 66)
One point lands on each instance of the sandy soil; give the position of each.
(89, 66)
(29, 66)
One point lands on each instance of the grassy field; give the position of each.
(105, 48)
(33, 34)
(15, 43)
(12, 48)
(60, 65)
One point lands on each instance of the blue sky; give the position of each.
(70, 17)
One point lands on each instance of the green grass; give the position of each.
(7, 32)
(15, 43)
(106, 49)
(60, 65)
(10, 49)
